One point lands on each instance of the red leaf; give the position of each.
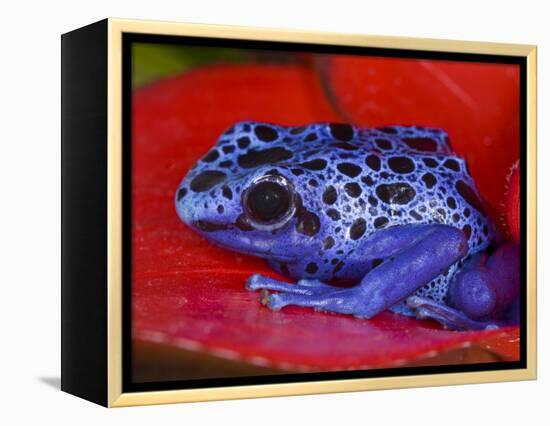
(477, 104)
(187, 293)
(208, 309)
(513, 205)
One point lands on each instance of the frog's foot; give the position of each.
(448, 317)
(261, 282)
(343, 301)
(307, 293)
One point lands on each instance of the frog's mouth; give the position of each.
(267, 254)
(242, 244)
(207, 226)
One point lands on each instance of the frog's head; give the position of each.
(251, 199)
(261, 212)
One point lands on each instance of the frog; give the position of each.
(360, 219)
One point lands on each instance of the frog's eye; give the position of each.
(269, 202)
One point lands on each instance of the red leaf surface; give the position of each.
(476, 103)
(513, 204)
(189, 294)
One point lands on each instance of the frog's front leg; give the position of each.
(409, 267)
(481, 295)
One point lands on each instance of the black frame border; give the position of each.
(84, 182)
(129, 38)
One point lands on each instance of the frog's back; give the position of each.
(384, 177)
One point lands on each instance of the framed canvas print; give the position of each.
(252, 212)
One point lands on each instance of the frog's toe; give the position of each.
(445, 315)
(280, 300)
(275, 302)
(254, 282)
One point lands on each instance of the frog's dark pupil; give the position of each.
(268, 201)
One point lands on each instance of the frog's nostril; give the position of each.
(184, 205)
(182, 192)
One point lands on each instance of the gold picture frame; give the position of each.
(108, 390)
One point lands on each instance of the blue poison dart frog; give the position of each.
(364, 219)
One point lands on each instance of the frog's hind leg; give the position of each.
(448, 317)
(483, 294)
